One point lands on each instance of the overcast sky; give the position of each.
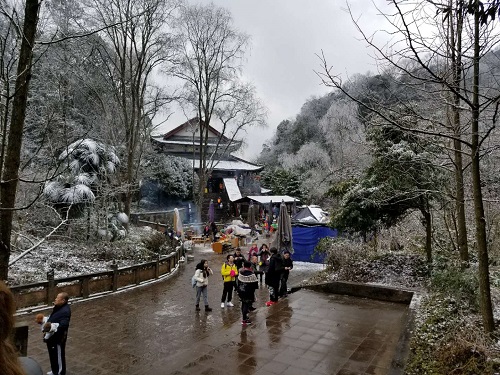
(285, 37)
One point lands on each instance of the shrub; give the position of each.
(341, 253)
(461, 285)
(447, 341)
(154, 241)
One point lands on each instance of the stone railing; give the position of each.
(41, 294)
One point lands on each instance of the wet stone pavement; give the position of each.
(154, 329)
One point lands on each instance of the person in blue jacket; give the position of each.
(56, 344)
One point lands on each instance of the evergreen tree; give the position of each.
(402, 178)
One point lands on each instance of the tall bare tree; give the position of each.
(14, 133)
(138, 42)
(419, 56)
(453, 24)
(209, 57)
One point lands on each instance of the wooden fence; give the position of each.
(89, 285)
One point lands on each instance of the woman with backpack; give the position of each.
(201, 276)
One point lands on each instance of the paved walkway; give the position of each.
(155, 330)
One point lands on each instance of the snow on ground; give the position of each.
(69, 257)
(300, 266)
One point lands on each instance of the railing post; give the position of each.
(157, 266)
(85, 287)
(136, 275)
(114, 267)
(51, 287)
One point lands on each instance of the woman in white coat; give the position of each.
(201, 276)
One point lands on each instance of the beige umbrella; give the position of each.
(178, 227)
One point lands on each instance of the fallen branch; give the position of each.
(27, 251)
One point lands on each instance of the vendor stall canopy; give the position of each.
(311, 215)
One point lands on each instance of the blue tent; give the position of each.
(305, 239)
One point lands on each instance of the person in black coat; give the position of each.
(273, 276)
(287, 266)
(238, 258)
(238, 261)
(247, 283)
(215, 230)
(56, 344)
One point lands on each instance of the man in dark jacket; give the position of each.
(287, 266)
(238, 258)
(273, 276)
(56, 344)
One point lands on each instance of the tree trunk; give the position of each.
(463, 248)
(456, 61)
(482, 245)
(129, 180)
(8, 185)
(428, 236)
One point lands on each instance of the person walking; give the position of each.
(229, 272)
(56, 344)
(273, 276)
(247, 283)
(287, 266)
(203, 271)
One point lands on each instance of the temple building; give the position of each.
(231, 178)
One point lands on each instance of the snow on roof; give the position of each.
(159, 139)
(264, 190)
(237, 164)
(264, 199)
(231, 165)
(232, 189)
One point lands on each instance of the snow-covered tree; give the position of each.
(312, 163)
(172, 175)
(86, 163)
(283, 182)
(137, 42)
(402, 178)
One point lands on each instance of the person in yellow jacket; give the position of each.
(229, 272)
